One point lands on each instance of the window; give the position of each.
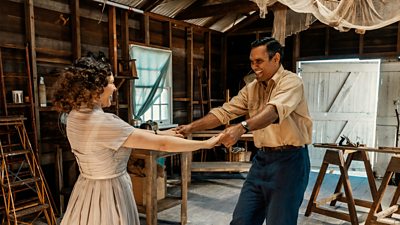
(153, 89)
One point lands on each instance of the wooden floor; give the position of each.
(212, 198)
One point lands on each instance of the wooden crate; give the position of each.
(139, 187)
(241, 156)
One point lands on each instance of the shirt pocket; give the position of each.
(256, 107)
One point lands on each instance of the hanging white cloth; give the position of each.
(343, 15)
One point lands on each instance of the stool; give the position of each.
(383, 217)
(336, 157)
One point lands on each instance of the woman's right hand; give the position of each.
(213, 141)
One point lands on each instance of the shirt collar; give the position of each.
(276, 77)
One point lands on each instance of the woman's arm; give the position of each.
(146, 140)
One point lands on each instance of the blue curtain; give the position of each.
(152, 67)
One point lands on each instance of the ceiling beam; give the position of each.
(217, 9)
(149, 5)
(213, 20)
(249, 20)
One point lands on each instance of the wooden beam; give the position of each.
(327, 40)
(149, 5)
(124, 35)
(169, 34)
(146, 29)
(296, 50)
(208, 61)
(112, 38)
(249, 20)
(177, 22)
(189, 69)
(236, 7)
(398, 37)
(344, 92)
(224, 62)
(76, 30)
(361, 44)
(213, 20)
(196, 5)
(30, 38)
(125, 57)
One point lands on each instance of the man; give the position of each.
(281, 124)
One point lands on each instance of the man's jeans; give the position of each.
(274, 188)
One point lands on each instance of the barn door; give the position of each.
(342, 98)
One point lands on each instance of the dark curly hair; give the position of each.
(81, 84)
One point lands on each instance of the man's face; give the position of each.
(263, 67)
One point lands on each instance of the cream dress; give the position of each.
(102, 194)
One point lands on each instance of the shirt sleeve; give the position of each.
(237, 106)
(115, 132)
(289, 92)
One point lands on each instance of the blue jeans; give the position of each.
(274, 188)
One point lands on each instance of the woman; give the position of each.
(102, 143)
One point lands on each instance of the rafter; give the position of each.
(249, 20)
(213, 20)
(148, 5)
(217, 9)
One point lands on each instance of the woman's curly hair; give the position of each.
(81, 84)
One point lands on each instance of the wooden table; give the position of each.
(335, 155)
(153, 206)
(223, 166)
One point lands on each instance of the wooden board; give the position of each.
(220, 166)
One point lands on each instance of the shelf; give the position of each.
(181, 99)
(197, 101)
(47, 109)
(53, 60)
(123, 106)
(15, 75)
(126, 77)
(221, 166)
(12, 46)
(18, 105)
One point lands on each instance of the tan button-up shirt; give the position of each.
(285, 91)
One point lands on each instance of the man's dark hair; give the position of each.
(272, 45)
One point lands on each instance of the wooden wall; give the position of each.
(59, 31)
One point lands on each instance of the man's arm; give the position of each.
(232, 134)
(268, 116)
(207, 122)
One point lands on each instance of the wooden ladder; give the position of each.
(204, 85)
(23, 187)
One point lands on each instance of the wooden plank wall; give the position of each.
(56, 36)
(63, 30)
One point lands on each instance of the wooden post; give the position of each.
(76, 30)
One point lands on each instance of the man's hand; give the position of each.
(170, 132)
(183, 130)
(231, 135)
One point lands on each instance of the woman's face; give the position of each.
(106, 96)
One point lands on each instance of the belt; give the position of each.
(280, 148)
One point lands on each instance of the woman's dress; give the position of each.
(102, 194)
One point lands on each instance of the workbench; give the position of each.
(222, 166)
(152, 206)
